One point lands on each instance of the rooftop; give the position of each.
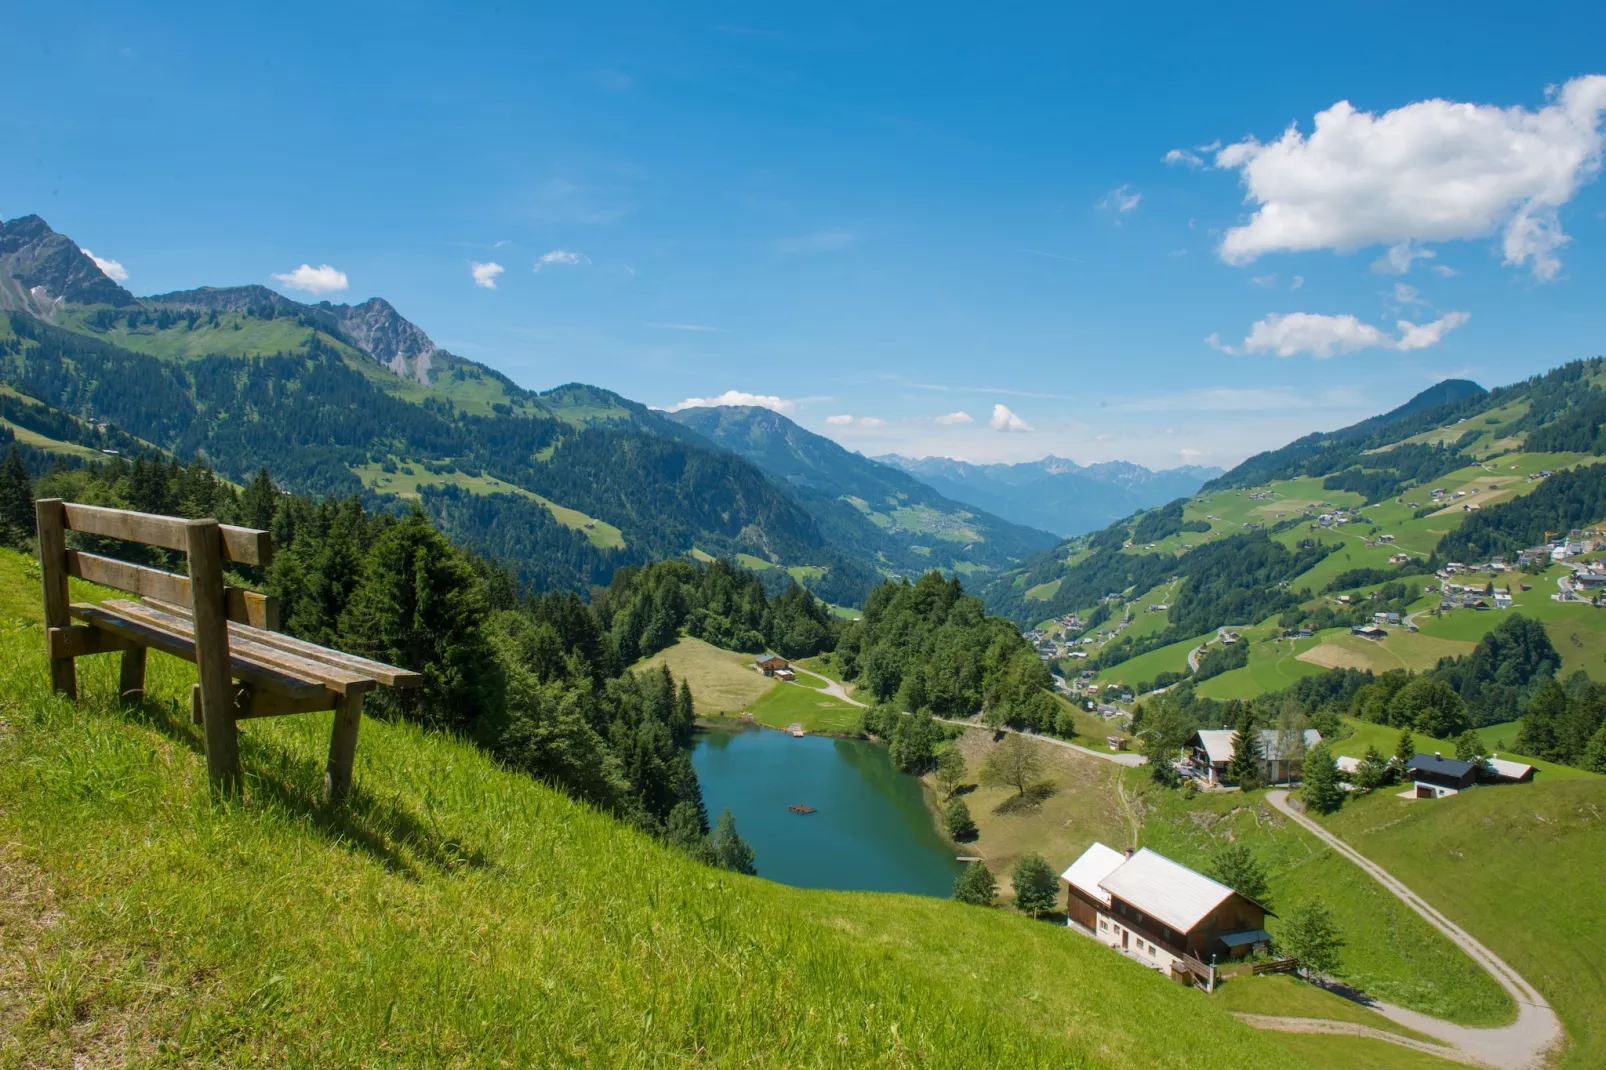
(1217, 742)
(1433, 763)
(1096, 863)
(1165, 890)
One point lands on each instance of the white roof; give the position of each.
(1509, 770)
(1347, 764)
(1166, 890)
(1217, 742)
(1096, 863)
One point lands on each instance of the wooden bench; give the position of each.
(247, 668)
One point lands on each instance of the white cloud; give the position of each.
(1191, 453)
(1183, 157)
(1430, 171)
(485, 274)
(1328, 336)
(1397, 259)
(108, 267)
(1120, 200)
(561, 256)
(821, 241)
(1406, 294)
(1265, 280)
(503, 243)
(953, 419)
(1444, 271)
(863, 422)
(315, 280)
(739, 397)
(1299, 280)
(1005, 420)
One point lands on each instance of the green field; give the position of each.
(455, 913)
(1391, 954)
(787, 704)
(1363, 734)
(1173, 658)
(405, 484)
(1286, 995)
(1273, 666)
(1520, 868)
(722, 682)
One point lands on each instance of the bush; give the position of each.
(958, 820)
(976, 886)
(1036, 887)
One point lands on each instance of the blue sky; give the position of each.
(887, 222)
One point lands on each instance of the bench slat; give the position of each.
(268, 677)
(249, 607)
(340, 681)
(247, 546)
(389, 675)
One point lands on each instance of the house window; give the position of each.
(1104, 926)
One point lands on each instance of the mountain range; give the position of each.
(1055, 494)
(567, 484)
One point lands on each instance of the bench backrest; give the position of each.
(246, 546)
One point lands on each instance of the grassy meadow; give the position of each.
(789, 703)
(723, 682)
(457, 914)
(1519, 867)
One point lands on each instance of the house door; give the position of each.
(1124, 936)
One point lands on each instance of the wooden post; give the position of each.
(204, 544)
(51, 518)
(131, 681)
(342, 748)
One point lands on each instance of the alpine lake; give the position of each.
(871, 828)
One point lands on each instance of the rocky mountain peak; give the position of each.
(40, 269)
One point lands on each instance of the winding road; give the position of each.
(1523, 1044)
(1118, 757)
(832, 688)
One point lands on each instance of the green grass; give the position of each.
(1359, 1053)
(1172, 658)
(1286, 995)
(787, 704)
(722, 681)
(459, 914)
(1391, 953)
(600, 533)
(1272, 666)
(1520, 868)
(1363, 734)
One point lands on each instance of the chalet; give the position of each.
(1509, 772)
(1210, 750)
(1158, 911)
(770, 664)
(1436, 776)
(1399, 559)
(1533, 555)
(1368, 631)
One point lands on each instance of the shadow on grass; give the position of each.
(385, 829)
(1030, 799)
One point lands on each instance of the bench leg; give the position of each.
(51, 519)
(195, 705)
(342, 748)
(131, 682)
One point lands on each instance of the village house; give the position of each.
(1509, 772)
(1158, 911)
(774, 665)
(1210, 751)
(1369, 631)
(1434, 776)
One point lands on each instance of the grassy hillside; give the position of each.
(1521, 868)
(458, 914)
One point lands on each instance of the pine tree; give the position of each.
(1373, 770)
(1313, 938)
(684, 719)
(950, 770)
(730, 850)
(1036, 887)
(1594, 758)
(976, 886)
(16, 501)
(958, 820)
(1404, 748)
(1320, 788)
(1236, 866)
(258, 501)
(1248, 763)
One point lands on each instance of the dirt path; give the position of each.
(1521, 1045)
(1278, 1024)
(1118, 757)
(832, 688)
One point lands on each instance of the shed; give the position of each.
(1510, 772)
(1436, 776)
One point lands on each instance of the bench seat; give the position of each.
(256, 664)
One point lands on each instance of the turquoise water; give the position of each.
(870, 830)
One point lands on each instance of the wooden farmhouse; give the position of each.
(1159, 911)
(771, 664)
(1210, 751)
(1436, 776)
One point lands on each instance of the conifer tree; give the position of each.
(958, 820)
(1248, 763)
(16, 501)
(976, 886)
(1313, 938)
(1404, 748)
(730, 850)
(1320, 788)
